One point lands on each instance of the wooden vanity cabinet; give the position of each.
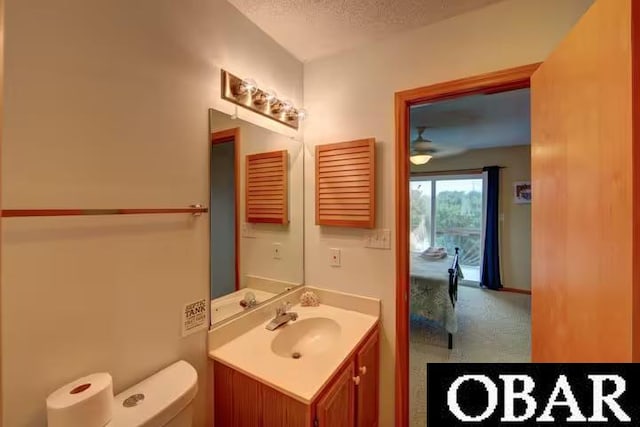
(349, 399)
(367, 392)
(336, 408)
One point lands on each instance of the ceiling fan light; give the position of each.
(419, 159)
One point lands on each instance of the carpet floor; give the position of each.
(492, 327)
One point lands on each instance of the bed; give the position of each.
(434, 290)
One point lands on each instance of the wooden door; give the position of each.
(584, 190)
(367, 392)
(337, 407)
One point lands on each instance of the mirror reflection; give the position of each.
(256, 215)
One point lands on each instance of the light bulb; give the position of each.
(250, 85)
(419, 159)
(287, 106)
(302, 114)
(271, 96)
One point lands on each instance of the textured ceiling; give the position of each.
(310, 29)
(477, 121)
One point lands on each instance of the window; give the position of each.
(448, 211)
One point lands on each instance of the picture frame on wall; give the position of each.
(522, 192)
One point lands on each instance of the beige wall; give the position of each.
(350, 96)
(106, 106)
(515, 223)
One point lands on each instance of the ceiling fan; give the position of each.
(423, 149)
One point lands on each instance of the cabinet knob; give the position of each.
(363, 370)
(356, 380)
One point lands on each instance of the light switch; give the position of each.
(277, 249)
(334, 257)
(385, 241)
(378, 239)
(247, 231)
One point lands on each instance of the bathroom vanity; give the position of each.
(319, 370)
(273, 364)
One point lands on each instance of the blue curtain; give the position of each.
(491, 258)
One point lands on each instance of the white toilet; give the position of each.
(165, 399)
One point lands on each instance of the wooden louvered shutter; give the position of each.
(266, 192)
(345, 184)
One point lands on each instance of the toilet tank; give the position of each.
(165, 399)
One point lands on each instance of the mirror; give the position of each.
(256, 236)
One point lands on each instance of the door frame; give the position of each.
(221, 137)
(499, 81)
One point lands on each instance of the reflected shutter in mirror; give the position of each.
(266, 192)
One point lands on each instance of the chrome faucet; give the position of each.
(283, 316)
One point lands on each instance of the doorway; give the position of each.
(477, 148)
(223, 216)
(502, 81)
(581, 145)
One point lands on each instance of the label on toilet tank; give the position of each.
(194, 317)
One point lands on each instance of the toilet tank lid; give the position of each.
(166, 393)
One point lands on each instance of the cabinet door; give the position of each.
(237, 399)
(336, 407)
(367, 369)
(280, 410)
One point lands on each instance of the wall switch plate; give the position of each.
(385, 239)
(247, 231)
(334, 257)
(277, 251)
(378, 239)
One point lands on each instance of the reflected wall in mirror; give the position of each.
(252, 262)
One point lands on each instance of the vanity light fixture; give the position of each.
(247, 94)
(277, 107)
(287, 106)
(299, 114)
(271, 96)
(241, 88)
(250, 85)
(260, 99)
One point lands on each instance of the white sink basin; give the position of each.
(307, 337)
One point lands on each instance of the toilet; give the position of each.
(165, 399)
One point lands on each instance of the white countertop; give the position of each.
(302, 379)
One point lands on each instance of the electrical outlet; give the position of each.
(277, 249)
(334, 257)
